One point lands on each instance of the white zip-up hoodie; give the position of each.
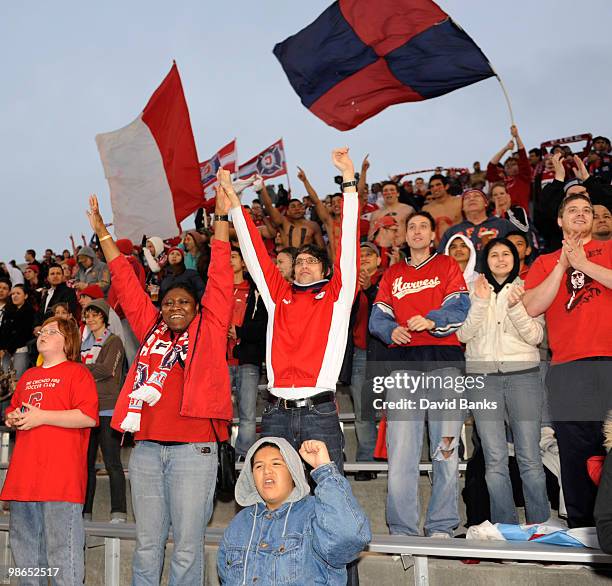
(499, 338)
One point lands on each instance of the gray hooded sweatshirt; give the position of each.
(307, 540)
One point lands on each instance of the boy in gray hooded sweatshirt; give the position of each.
(284, 535)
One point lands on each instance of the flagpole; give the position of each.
(286, 165)
(503, 88)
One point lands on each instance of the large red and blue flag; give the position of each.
(360, 57)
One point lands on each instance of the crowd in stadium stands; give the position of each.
(483, 295)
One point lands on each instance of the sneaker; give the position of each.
(118, 518)
(439, 535)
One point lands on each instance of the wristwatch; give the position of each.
(346, 184)
(218, 218)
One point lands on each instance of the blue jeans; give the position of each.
(318, 422)
(171, 485)
(364, 428)
(404, 443)
(519, 398)
(245, 382)
(48, 535)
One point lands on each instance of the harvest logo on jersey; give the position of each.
(401, 289)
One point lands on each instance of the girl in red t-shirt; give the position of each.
(53, 408)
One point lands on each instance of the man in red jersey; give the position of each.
(420, 304)
(573, 288)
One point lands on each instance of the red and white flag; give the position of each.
(152, 166)
(225, 157)
(269, 163)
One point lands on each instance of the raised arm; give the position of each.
(346, 261)
(320, 208)
(515, 135)
(217, 300)
(134, 301)
(108, 245)
(496, 158)
(260, 187)
(263, 271)
(361, 184)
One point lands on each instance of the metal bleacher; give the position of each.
(415, 551)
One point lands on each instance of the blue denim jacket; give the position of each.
(305, 542)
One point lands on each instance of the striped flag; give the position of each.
(271, 162)
(152, 166)
(360, 57)
(225, 157)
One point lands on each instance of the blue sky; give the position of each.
(74, 69)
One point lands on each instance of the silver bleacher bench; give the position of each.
(415, 551)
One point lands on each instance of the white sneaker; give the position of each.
(440, 535)
(118, 518)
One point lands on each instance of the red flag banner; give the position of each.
(152, 166)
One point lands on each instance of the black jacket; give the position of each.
(252, 332)
(63, 294)
(372, 343)
(17, 327)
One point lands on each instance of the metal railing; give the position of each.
(415, 551)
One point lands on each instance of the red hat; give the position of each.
(34, 268)
(177, 249)
(93, 291)
(385, 222)
(125, 246)
(70, 262)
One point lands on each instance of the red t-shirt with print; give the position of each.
(49, 463)
(579, 319)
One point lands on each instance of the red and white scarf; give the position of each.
(149, 382)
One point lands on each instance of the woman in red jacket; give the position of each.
(175, 399)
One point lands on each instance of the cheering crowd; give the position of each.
(483, 294)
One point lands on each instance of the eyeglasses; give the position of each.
(311, 260)
(48, 332)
